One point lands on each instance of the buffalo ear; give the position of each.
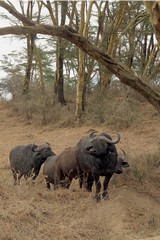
(125, 164)
(33, 147)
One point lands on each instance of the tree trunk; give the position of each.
(59, 83)
(153, 9)
(83, 29)
(80, 86)
(112, 46)
(39, 61)
(30, 49)
(81, 70)
(30, 46)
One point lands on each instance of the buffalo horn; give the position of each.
(41, 147)
(92, 131)
(124, 154)
(114, 141)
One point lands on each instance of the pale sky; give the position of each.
(8, 43)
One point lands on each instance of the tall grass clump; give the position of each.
(143, 164)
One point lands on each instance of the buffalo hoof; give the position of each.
(105, 196)
(33, 183)
(48, 185)
(97, 198)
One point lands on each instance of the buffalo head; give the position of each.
(101, 144)
(42, 151)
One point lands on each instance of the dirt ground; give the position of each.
(33, 212)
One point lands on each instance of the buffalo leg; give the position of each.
(36, 172)
(47, 182)
(26, 178)
(105, 186)
(90, 181)
(19, 177)
(67, 182)
(14, 176)
(48, 185)
(56, 181)
(81, 177)
(98, 187)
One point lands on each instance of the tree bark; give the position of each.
(81, 70)
(59, 83)
(40, 67)
(30, 50)
(30, 47)
(112, 45)
(153, 9)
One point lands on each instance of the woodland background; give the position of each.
(114, 68)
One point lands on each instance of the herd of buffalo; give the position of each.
(95, 155)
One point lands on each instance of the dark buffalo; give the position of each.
(49, 170)
(121, 163)
(97, 156)
(26, 160)
(66, 168)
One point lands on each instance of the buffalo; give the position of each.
(66, 168)
(49, 170)
(26, 160)
(97, 156)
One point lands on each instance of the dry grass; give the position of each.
(33, 212)
(144, 164)
(114, 110)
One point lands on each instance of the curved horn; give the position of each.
(91, 132)
(124, 154)
(109, 140)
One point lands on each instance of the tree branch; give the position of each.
(12, 10)
(125, 74)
